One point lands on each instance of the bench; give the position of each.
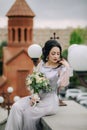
(70, 117)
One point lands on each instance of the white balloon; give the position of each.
(34, 51)
(16, 98)
(10, 89)
(77, 57)
(1, 99)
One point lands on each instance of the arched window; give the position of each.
(19, 34)
(25, 34)
(30, 34)
(9, 34)
(13, 34)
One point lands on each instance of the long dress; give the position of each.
(25, 117)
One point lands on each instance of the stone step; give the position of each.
(70, 117)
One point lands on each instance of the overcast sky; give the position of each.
(52, 13)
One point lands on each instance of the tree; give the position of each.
(4, 43)
(77, 37)
(65, 53)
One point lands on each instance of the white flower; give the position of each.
(37, 82)
(28, 82)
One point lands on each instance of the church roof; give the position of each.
(20, 8)
(3, 79)
(17, 54)
(10, 54)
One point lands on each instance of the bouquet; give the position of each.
(37, 82)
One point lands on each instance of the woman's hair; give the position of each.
(48, 46)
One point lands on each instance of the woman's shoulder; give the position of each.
(41, 62)
(40, 65)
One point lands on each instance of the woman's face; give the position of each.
(54, 55)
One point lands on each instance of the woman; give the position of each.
(25, 117)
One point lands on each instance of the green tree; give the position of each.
(1, 52)
(65, 53)
(77, 37)
(85, 35)
(4, 43)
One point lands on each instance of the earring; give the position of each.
(47, 59)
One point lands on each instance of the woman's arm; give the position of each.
(64, 73)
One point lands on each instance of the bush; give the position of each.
(78, 36)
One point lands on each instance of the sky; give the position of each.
(51, 13)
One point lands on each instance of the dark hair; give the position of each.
(48, 46)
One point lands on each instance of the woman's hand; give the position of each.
(34, 99)
(64, 62)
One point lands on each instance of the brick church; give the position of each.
(16, 62)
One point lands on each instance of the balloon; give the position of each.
(77, 57)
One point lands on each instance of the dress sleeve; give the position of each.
(39, 66)
(64, 75)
